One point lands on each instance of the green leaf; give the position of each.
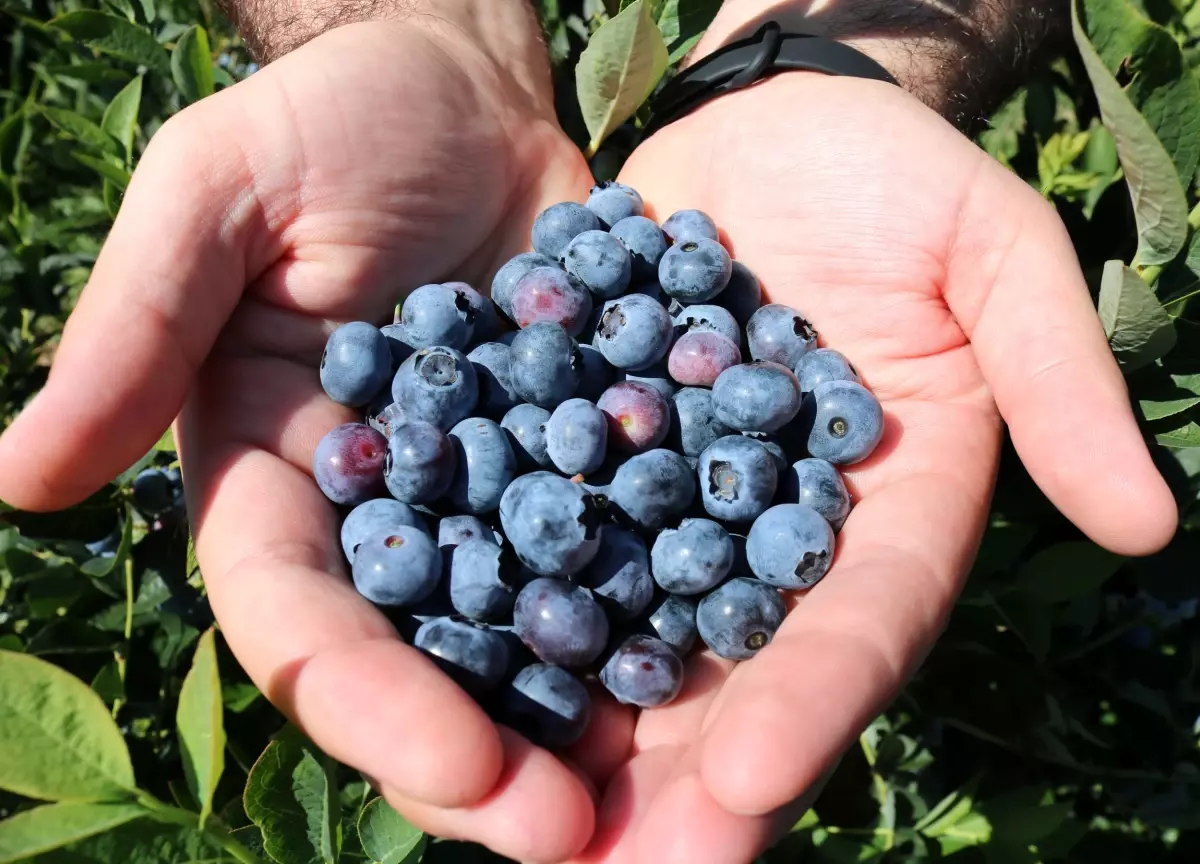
(109, 169)
(108, 685)
(199, 720)
(53, 825)
(1066, 570)
(1159, 203)
(683, 22)
(110, 34)
(120, 117)
(387, 837)
(58, 740)
(191, 64)
(1168, 408)
(1182, 438)
(1029, 620)
(166, 442)
(71, 636)
(80, 129)
(144, 841)
(291, 795)
(1138, 328)
(617, 71)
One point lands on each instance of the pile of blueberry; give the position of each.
(641, 466)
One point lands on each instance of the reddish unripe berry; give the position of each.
(699, 356)
(549, 294)
(638, 416)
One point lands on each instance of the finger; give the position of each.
(606, 742)
(1014, 285)
(842, 654)
(538, 810)
(680, 721)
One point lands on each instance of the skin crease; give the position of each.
(951, 285)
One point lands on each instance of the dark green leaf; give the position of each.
(80, 129)
(143, 842)
(1029, 620)
(108, 685)
(192, 66)
(291, 795)
(683, 22)
(239, 696)
(1138, 328)
(109, 34)
(201, 726)
(70, 636)
(1066, 570)
(53, 825)
(387, 837)
(108, 168)
(120, 117)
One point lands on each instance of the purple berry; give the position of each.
(348, 464)
(547, 294)
(639, 417)
(699, 357)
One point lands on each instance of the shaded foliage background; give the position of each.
(1057, 719)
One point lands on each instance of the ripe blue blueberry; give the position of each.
(348, 464)
(456, 530)
(475, 657)
(507, 277)
(577, 437)
(595, 374)
(551, 523)
(694, 424)
(356, 364)
(634, 332)
(646, 245)
(775, 447)
(779, 334)
(486, 323)
(601, 262)
(695, 271)
(548, 705)
(557, 225)
(437, 315)
(400, 349)
(738, 479)
(152, 492)
(673, 620)
(420, 463)
(756, 397)
(398, 567)
(819, 485)
(692, 558)
(526, 428)
(550, 295)
(643, 671)
(482, 580)
(742, 296)
(437, 385)
(486, 465)
(823, 364)
(653, 487)
(619, 575)
(613, 202)
(656, 376)
(544, 365)
(843, 422)
(790, 546)
(559, 622)
(491, 362)
(378, 516)
(703, 317)
(688, 226)
(740, 618)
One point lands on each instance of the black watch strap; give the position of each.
(746, 61)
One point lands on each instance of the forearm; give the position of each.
(961, 57)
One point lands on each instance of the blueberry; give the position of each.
(397, 567)
(505, 281)
(790, 546)
(481, 580)
(643, 671)
(437, 315)
(356, 364)
(551, 523)
(698, 358)
(619, 575)
(399, 348)
(694, 424)
(600, 262)
(653, 487)
(152, 492)
(613, 202)
(473, 656)
(634, 332)
(654, 291)
(738, 479)
(673, 620)
(547, 294)
(559, 622)
(381, 515)
(646, 245)
(775, 448)
(386, 419)
(819, 485)
(740, 618)
(456, 530)
(705, 318)
(486, 323)
(437, 385)
(420, 463)
(577, 437)
(756, 397)
(639, 417)
(491, 362)
(556, 226)
(843, 422)
(595, 374)
(688, 226)
(656, 376)
(548, 705)
(695, 271)
(544, 365)
(486, 465)
(526, 428)
(693, 558)
(742, 296)
(779, 334)
(823, 364)
(348, 464)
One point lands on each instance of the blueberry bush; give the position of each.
(1058, 718)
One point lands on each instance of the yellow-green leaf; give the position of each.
(50, 826)
(120, 117)
(191, 64)
(200, 722)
